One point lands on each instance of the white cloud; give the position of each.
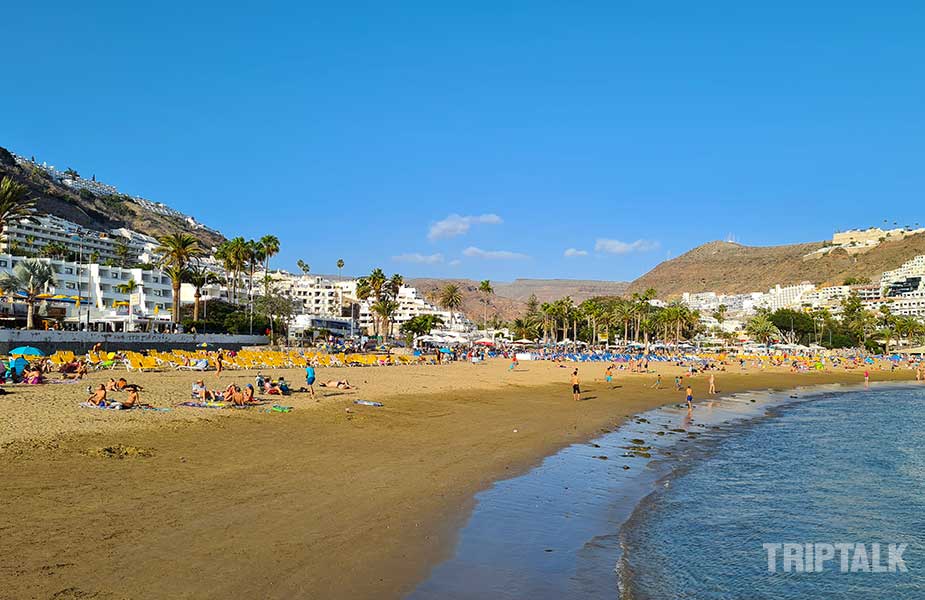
(618, 247)
(571, 252)
(455, 262)
(474, 252)
(455, 225)
(421, 259)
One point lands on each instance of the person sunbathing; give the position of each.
(201, 392)
(249, 394)
(233, 395)
(99, 396)
(270, 388)
(341, 384)
(33, 376)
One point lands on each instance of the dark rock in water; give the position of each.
(678, 430)
(626, 467)
(605, 430)
(602, 457)
(637, 441)
(659, 433)
(752, 400)
(595, 445)
(548, 550)
(641, 420)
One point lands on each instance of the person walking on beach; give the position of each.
(712, 384)
(513, 363)
(576, 386)
(690, 398)
(866, 378)
(218, 363)
(677, 382)
(658, 382)
(608, 374)
(310, 379)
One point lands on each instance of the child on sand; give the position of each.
(677, 382)
(608, 374)
(576, 386)
(690, 398)
(658, 381)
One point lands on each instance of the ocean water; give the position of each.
(842, 468)
(671, 505)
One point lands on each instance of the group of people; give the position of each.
(678, 380)
(100, 397)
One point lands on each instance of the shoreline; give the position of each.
(317, 501)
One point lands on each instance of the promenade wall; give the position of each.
(81, 341)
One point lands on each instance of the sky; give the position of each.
(493, 140)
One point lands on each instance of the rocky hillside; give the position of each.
(510, 298)
(734, 268)
(95, 212)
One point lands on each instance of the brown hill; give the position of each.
(100, 213)
(732, 268)
(510, 298)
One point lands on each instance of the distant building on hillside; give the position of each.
(32, 234)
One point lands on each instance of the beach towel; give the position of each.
(368, 403)
(118, 406)
(204, 404)
(278, 408)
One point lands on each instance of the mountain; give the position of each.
(94, 211)
(510, 298)
(733, 268)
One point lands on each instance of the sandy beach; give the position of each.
(320, 502)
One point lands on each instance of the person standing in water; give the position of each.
(866, 378)
(576, 386)
(712, 384)
(690, 398)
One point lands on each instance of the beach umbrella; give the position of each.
(523, 341)
(485, 342)
(26, 351)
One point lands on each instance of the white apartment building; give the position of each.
(97, 285)
(910, 304)
(790, 296)
(34, 233)
(911, 268)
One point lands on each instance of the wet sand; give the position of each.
(316, 503)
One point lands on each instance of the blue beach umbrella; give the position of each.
(26, 351)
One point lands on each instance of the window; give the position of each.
(70, 285)
(68, 271)
(2, 263)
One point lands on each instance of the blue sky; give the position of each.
(483, 139)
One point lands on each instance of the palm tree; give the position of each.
(269, 246)
(234, 255)
(486, 290)
(762, 330)
(385, 309)
(303, 266)
(199, 277)
(340, 267)
(31, 277)
(14, 202)
(394, 286)
(128, 288)
(523, 329)
(177, 250)
(450, 297)
(122, 253)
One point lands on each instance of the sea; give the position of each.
(812, 493)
